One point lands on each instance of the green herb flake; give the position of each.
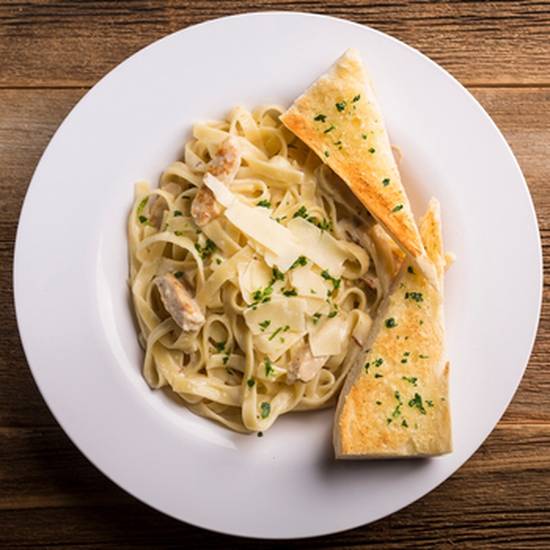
(340, 106)
(264, 203)
(332, 314)
(366, 366)
(378, 375)
(364, 136)
(372, 150)
(356, 98)
(220, 346)
(265, 409)
(404, 423)
(302, 260)
(180, 234)
(219, 261)
(415, 296)
(250, 382)
(142, 219)
(277, 275)
(410, 269)
(316, 317)
(178, 274)
(329, 129)
(141, 206)
(416, 402)
(423, 356)
(225, 358)
(291, 292)
(390, 323)
(320, 118)
(388, 420)
(327, 154)
(397, 208)
(379, 402)
(269, 370)
(264, 324)
(378, 362)
(178, 213)
(386, 182)
(429, 403)
(301, 213)
(280, 329)
(206, 250)
(404, 361)
(410, 379)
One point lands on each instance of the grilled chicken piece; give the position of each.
(304, 366)
(179, 303)
(224, 166)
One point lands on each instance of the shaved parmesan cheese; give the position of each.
(275, 347)
(328, 337)
(253, 275)
(256, 223)
(281, 313)
(221, 192)
(319, 246)
(309, 283)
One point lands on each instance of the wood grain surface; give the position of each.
(50, 54)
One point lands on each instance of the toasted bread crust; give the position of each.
(395, 400)
(351, 138)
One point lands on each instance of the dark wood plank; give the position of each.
(499, 496)
(73, 43)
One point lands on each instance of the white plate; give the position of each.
(71, 268)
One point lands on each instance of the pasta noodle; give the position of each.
(254, 274)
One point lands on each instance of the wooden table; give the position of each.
(51, 53)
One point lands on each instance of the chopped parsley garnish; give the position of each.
(404, 423)
(416, 401)
(219, 261)
(327, 154)
(404, 361)
(421, 322)
(372, 150)
(291, 292)
(386, 182)
(324, 225)
(397, 207)
(423, 356)
(340, 106)
(339, 142)
(265, 409)
(264, 324)
(388, 420)
(364, 136)
(302, 260)
(262, 296)
(429, 403)
(366, 367)
(264, 203)
(332, 314)
(220, 346)
(416, 296)
(410, 379)
(277, 275)
(250, 382)
(335, 282)
(269, 370)
(141, 206)
(178, 213)
(378, 362)
(379, 402)
(178, 274)
(142, 219)
(378, 375)
(410, 269)
(316, 317)
(179, 234)
(356, 98)
(206, 250)
(280, 329)
(301, 213)
(320, 118)
(329, 129)
(225, 358)
(390, 323)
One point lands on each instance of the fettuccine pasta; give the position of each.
(254, 274)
